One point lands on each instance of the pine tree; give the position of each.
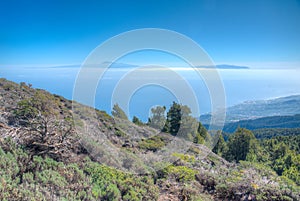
(240, 144)
(181, 123)
(173, 119)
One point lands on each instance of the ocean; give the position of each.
(239, 85)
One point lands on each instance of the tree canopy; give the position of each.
(240, 144)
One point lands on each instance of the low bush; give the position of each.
(180, 173)
(152, 144)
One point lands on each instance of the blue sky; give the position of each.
(259, 33)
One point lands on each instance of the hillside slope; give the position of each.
(53, 149)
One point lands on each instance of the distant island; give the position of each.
(225, 66)
(127, 65)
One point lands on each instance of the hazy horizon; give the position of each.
(45, 43)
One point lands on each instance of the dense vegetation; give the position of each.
(280, 153)
(41, 178)
(273, 132)
(43, 156)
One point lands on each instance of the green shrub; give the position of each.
(180, 173)
(185, 157)
(111, 184)
(152, 144)
(120, 133)
(23, 178)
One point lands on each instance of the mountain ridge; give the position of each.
(292, 121)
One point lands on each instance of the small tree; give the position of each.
(48, 132)
(118, 112)
(157, 119)
(221, 147)
(198, 139)
(203, 132)
(188, 124)
(173, 119)
(137, 121)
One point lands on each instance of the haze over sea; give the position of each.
(239, 84)
(263, 35)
